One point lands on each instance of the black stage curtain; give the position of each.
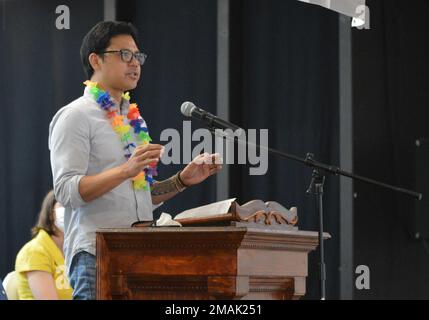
(390, 112)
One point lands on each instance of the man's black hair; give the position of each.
(98, 39)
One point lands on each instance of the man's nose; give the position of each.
(134, 61)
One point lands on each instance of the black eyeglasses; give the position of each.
(127, 55)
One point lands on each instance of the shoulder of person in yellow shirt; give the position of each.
(41, 254)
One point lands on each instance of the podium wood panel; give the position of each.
(202, 263)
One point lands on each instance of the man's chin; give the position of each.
(130, 86)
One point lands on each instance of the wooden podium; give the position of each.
(232, 262)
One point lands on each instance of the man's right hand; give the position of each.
(92, 187)
(142, 156)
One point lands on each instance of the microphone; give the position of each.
(189, 109)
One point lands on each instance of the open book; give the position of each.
(255, 211)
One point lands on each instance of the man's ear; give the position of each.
(95, 61)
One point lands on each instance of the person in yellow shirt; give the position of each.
(39, 266)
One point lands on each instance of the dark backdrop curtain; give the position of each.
(285, 59)
(391, 91)
(40, 73)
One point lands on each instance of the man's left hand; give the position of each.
(202, 167)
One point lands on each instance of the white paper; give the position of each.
(166, 220)
(212, 209)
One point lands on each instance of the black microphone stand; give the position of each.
(316, 188)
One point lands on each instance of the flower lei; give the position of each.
(120, 126)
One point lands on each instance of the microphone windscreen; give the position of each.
(187, 108)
